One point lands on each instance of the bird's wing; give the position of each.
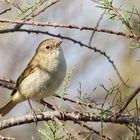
(29, 70)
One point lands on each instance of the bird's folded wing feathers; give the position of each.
(29, 70)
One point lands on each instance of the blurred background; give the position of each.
(90, 68)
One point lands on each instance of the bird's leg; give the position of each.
(34, 113)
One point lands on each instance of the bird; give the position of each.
(42, 77)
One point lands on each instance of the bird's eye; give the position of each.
(47, 47)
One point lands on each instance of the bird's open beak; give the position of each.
(58, 43)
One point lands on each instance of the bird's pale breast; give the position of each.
(45, 80)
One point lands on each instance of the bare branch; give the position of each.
(62, 25)
(93, 130)
(6, 10)
(9, 84)
(66, 116)
(96, 27)
(128, 101)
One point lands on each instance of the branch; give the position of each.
(29, 16)
(96, 27)
(66, 116)
(128, 101)
(75, 101)
(44, 9)
(6, 10)
(93, 130)
(68, 26)
(9, 84)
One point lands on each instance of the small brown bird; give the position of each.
(42, 76)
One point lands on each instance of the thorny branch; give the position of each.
(68, 26)
(6, 10)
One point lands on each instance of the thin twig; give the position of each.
(9, 84)
(6, 10)
(93, 130)
(96, 27)
(29, 16)
(62, 126)
(45, 8)
(128, 101)
(117, 13)
(75, 101)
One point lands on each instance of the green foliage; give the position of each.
(104, 4)
(66, 83)
(133, 131)
(26, 7)
(117, 12)
(138, 27)
(134, 46)
(51, 131)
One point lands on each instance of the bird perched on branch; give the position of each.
(42, 76)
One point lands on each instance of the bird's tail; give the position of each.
(14, 100)
(7, 107)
